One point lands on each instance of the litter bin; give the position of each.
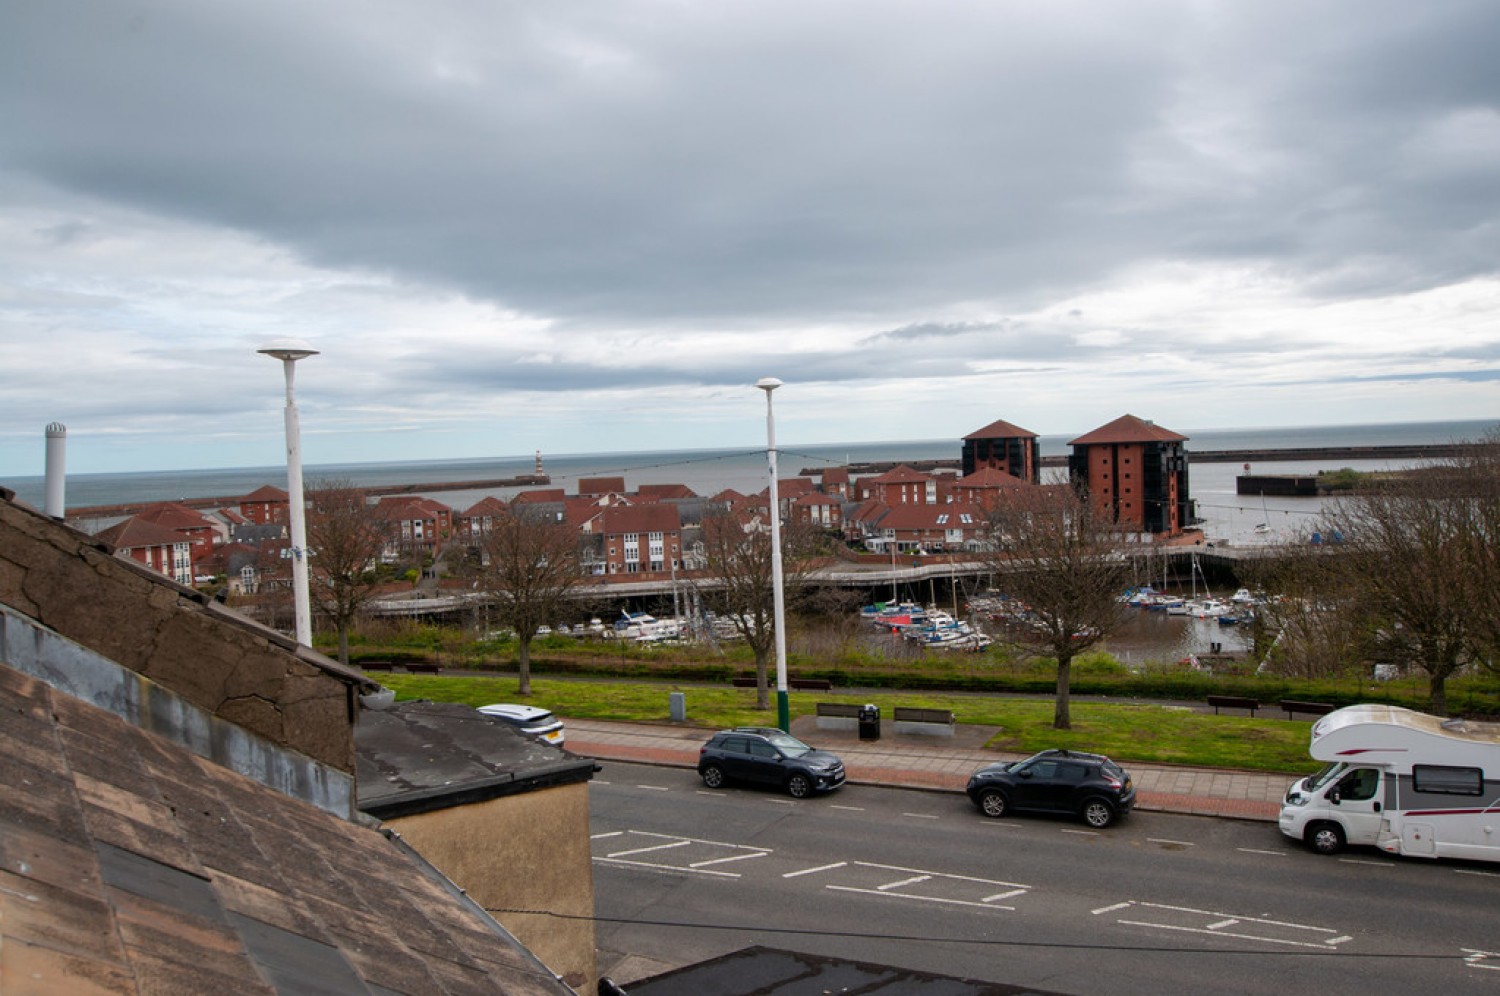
(869, 722)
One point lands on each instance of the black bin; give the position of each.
(869, 722)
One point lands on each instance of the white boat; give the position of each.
(1209, 608)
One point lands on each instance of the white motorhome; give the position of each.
(1406, 782)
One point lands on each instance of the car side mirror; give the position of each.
(1024, 773)
(1335, 796)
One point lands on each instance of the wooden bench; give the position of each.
(1233, 702)
(422, 667)
(1310, 708)
(377, 666)
(742, 682)
(838, 716)
(928, 722)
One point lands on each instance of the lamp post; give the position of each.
(783, 707)
(289, 351)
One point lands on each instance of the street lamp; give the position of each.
(289, 351)
(783, 707)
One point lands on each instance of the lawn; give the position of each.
(1126, 732)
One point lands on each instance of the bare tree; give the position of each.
(736, 581)
(531, 565)
(1476, 473)
(1052, 550)
(1412, 547)
(1316, 622)
(347, 537)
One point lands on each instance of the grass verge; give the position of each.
(1126, 732)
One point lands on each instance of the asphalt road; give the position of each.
(1157, 903)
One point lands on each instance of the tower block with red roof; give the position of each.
(1137, 473)
(1006, 448)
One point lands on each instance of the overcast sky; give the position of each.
(591, 227)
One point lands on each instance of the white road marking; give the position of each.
(852, 809)
(1475, 958)
(1163, 840)
(1222, 933)
(732, 857)
(653, 847)
(654, 788)
(1003, 895)
(1084, 833)
(599, 781)
(920, 816)
(919, 871)
(1475, 871)
(1251, 850)
(1220, 921)
(811, 871)
(915, 879)
(601, 836)
(925, 899)
(1361, 861)
(670, 868)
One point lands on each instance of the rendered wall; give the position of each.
(519, 852)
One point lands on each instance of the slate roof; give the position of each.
(130, 865)
(771, 972)
(1128, 429)
(420, 756)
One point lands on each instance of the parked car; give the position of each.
(1089, 786)
(528, 719)
(770, 757)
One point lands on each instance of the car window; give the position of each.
(1043, 769)
(759, 748)
(735, 745)
(1359, 784)
(788, 744)
(1071, 773)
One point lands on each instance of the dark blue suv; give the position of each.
(1089, 786)
(768, 756)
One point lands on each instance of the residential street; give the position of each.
(1157, 903)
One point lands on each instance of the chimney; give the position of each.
(57, 446)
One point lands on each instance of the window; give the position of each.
(942, 519)
(1447, 780)
(1359, 784)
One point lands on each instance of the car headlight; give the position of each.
(1295, 799)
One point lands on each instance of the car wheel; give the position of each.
(1098, 814)
(713, 776)
(1325, 838)
(992, 802)
(799, 786)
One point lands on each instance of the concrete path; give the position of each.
(906, 760)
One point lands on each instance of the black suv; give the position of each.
(1090, 786)
(771, 757)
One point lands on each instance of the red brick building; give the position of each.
(638, 539)
(1137, 474)
(1003, 447)
(265, 505)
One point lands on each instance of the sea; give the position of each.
(1227, 517)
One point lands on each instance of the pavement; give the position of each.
(940, 763)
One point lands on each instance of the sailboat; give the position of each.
(1263, 528)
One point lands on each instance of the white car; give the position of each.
(528, 719)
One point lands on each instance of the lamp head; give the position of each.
(768, 384)
(288, 349)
